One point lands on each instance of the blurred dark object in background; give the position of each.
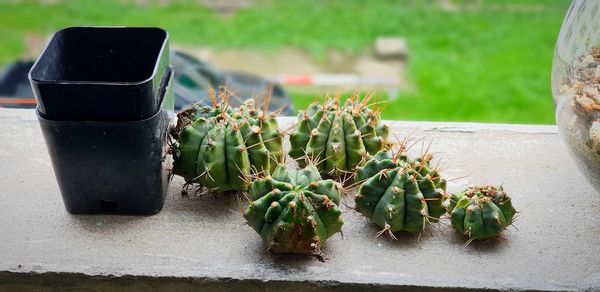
(15, 90)
(193, 78)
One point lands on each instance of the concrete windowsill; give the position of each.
(203, 242)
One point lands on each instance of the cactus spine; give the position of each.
(399, 194)
(294, 212)
(338, 137)
(219, 147)
(481, 212)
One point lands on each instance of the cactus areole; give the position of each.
(481, 212)
(399, 194)
(294, 211)
(220, 148)
(337, 138)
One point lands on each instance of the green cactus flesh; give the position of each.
(399, 194)
(337, 138)
(481, 212)
(294, 211)
(220, 148)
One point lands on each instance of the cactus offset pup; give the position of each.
(399, 194)
(481, 212)
(219, 147)
(294, 211)
(338, 137)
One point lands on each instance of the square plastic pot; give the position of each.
(101, 73)
(112, 167)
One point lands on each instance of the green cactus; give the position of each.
(219, 147)
(294, 211)
(399, 194)
(481, 212)
(338, 138)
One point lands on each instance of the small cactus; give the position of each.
(219, 147)
(399, 194)
(294, 211)
(481, 212)
(338, 137)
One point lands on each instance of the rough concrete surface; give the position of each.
(203, 242)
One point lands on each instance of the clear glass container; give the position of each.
(576, 85)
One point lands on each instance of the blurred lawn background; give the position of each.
(489, 63)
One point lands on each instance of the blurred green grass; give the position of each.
(489, 64)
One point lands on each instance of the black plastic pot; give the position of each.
(101, 73)
(105, 101)
(111, 167)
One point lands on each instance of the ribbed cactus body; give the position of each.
(294, 211)
(337, 137)
(481, 212)
(219, 147)
(399, 194)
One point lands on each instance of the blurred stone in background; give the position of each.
(391, 47)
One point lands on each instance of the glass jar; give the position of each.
(576, 85)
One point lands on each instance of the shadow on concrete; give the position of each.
(195, 205)
(403, 239)
(493, 245)
(291, 262)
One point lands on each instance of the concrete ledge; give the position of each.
(74, 281)
(202, 242)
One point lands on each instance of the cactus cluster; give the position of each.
(481, 212)
(294, 211)
(338, 137)
(400, 194)
(220, 148)
(241, 149)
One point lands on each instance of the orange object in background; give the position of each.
(15, 101)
